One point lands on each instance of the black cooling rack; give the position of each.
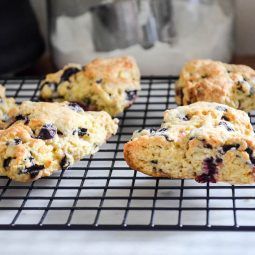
(102, 193)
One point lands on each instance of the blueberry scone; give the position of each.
(43, 137)
(208, 142)
(212, 81)
(103, 84)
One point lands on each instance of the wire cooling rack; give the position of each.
(102, 193)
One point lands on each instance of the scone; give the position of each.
(212, 81)
(41, 138)
(104, 84)
(208, 142)
(7, 108)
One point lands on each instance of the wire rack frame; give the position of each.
(102, 193)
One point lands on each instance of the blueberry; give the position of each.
(6, 162)
(221, 108)
(219, 160)
(34, 170)
(75, 107)
(30, 159)
(205, 144)
(131, 95)
(82, 131)
(85, 106)
(226, 125)
(22, 117)
(209, 165)
(150, 130)
(205, 178)
(167, 138)
(208, 146)
(228, 147)
(59, 132)
(162, 129)
(185, 118)
(64, 163)
(161, 132)
(250, 152)
(68, 73)
(210, 169)
(154, 162)
(17, 141)
(99, 81)
(225, 118)
(48, 131)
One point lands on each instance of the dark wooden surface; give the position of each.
(245, 60)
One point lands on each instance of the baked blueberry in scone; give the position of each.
(208, 142)
(103, 84)
(213, 81)
(40, 138)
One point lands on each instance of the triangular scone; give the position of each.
(203, 141)
(214, 81)
(103, 84)
(45, 137)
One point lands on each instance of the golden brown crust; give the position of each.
(106, 84)
(213, 81)
(41, 138)
(203, 141)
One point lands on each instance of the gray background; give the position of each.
(244, 28)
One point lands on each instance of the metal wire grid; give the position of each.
(101, 193)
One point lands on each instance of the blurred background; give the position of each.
(40, 36)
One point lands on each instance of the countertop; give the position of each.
(138, 243)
